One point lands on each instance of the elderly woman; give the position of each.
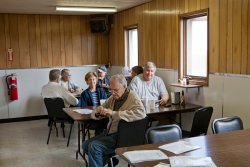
(91, 97)
(93, 94)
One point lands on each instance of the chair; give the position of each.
(200, 123)
(228, 124)
(163, 133)
(57, 115)
(130, 134)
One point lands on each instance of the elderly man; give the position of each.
(53, 89)
(103, 79)
(122, 104)
(147, 85)
(68, 83)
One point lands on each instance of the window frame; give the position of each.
(196, 80)
(126, 43)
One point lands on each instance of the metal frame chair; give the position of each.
(57, 115)
(163, 133)
(200, 123)
(227, 124)
(130, 134)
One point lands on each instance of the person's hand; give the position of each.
(106, 112)
(103, 111)
(164, 100)
(98, 111)
(71, 90)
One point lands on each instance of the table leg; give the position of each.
(180, 120)
(81, 128)
(78, 151)
(83, 132)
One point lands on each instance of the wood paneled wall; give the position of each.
(50, 40)
(229, 33)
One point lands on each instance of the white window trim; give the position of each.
(182, 66)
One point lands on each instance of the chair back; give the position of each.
(54, 107)
(228, 124)
(201, 121)
(131, 133)
(163, 133)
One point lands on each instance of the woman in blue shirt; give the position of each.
(91, 97)
(93, 94)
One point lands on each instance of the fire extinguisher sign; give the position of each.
(10, 54)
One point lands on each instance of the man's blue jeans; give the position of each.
(99, 149)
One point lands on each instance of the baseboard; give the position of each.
(20, 119)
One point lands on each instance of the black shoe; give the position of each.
(115, 162)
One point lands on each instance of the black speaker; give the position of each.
(99, 25)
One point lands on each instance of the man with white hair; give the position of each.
(68, 83)
(53, 89)
(147, 85)
(122, 104)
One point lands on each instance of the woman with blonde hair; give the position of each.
(93, 94)
(91, 97)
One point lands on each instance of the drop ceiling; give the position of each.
(48, 6)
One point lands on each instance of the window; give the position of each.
(194, 47)
(131, 47)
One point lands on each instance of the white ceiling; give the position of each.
(48, 6)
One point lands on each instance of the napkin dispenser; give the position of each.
(175, 97)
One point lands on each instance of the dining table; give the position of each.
(84, 120)
(226, 149)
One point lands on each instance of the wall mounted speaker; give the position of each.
(99, 25)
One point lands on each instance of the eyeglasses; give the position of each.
(115, 90)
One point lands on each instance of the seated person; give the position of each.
(67, 83)
(53, 89)
(93, 94)
(122, 104)
(91, 97)
(136, 70)
(150, 86)
(103, 79)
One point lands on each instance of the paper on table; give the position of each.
(83, 111)
(144, 155)
(187, 161)
(179, 147)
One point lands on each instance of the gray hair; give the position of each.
(119, 77)
(54, 74)
(149, 65)
(65, 72)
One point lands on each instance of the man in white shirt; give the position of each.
(68, 83)
(147, 85)
(54, 89)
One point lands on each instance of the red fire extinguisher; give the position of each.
(11, 81)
